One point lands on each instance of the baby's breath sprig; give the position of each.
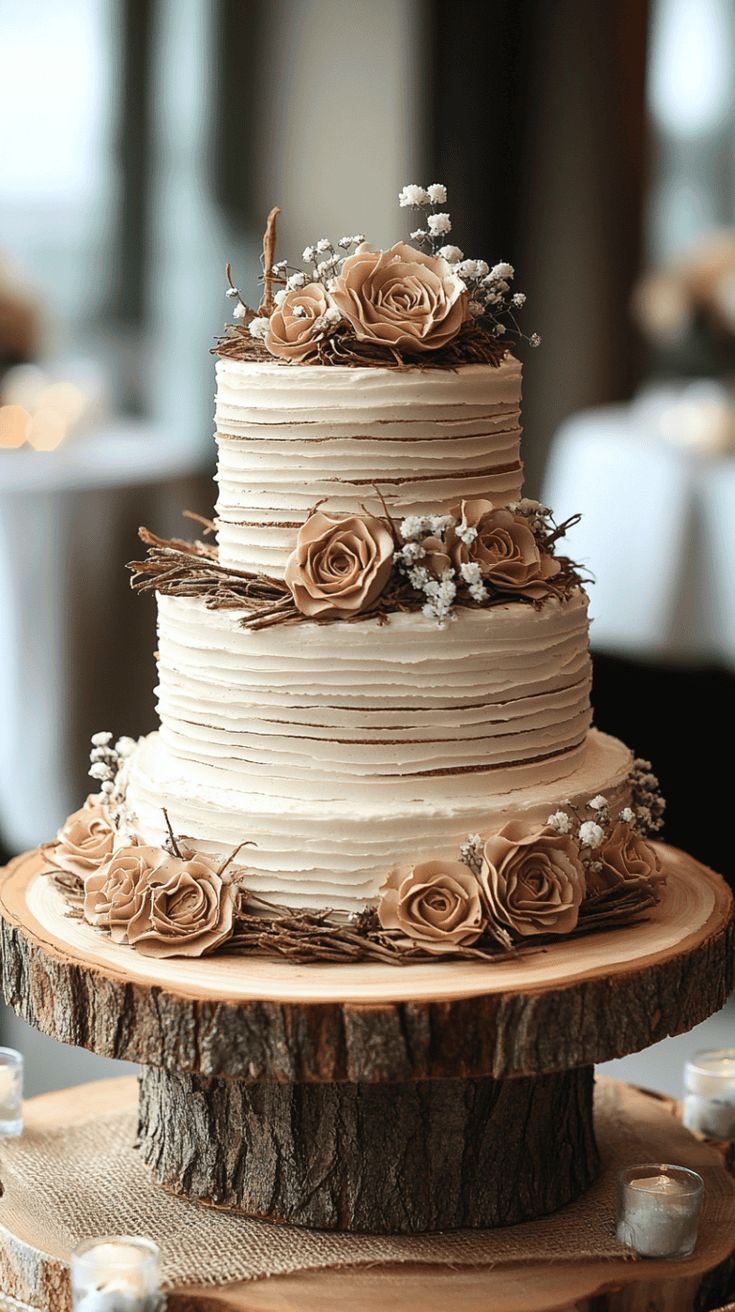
(423, 535)
(492, 301)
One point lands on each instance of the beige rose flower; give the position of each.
(115, 893)
(504, 548)
(402, 298)
(340, 564)
(624, 858)
(296, 324)
(86, 839)
(187, 910)
(533, 880)
(436, 904)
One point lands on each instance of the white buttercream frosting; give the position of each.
(291, 436)
(340, 749)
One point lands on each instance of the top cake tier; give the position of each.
(290, 437)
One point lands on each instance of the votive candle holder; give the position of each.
(118, 1273)
(659, 1206)
(709, 1102)
(11, 1093)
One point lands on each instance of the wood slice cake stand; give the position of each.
(369, 1097)
(35, 1243)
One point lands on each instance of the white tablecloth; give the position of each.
(657, 533)
(68, 522)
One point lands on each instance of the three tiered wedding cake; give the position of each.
(374, 689)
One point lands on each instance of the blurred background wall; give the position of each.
(144, 143)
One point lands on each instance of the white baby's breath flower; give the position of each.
(472, 575)
(452, 254)
(598, 803)
(500, 330)
(258, 327)
(438, 524)
(481, 268)
(534, 340)
(358, 238)
(102, 739)
(299, 312)
(125, 746)
(239, 311)
(502, 270)
(559, 820)
(280, 296)
(419, 234)
(437, 193)
(332, 314)
(345, 243)
(295, 280)
(412, 196)
(409, 554)
(466, 533)
(418, 577)
(280, 267)
(323, 244)
(466, 270)
(439, 224)
(518, 300)
(98, 770)
(477, 309)
(626, 815)
(308, 254)
(411, 527)
(590, 833)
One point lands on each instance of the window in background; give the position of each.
(58, 178)
(691, 95)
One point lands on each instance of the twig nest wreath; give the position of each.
(418, 303)
(340, 565)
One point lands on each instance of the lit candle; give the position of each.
(709, 1104)
(658, 1210)
(119, 1274)
(11, 1092)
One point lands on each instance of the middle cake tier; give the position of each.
(341, 749)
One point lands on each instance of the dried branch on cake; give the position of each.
(367, 566)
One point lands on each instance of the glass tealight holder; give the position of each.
(659, 1206)
(11, 1093)
(119, 1273)
(709, 1102)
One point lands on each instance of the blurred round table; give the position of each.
(657, 531)
(75, 644)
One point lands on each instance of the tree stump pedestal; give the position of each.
(369, 1097)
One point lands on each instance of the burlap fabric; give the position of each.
(87, 1180)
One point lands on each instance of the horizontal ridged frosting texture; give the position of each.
(291, 436)
(340, 749)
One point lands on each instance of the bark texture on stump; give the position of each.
(416, 1156)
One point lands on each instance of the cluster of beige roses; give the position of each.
(161, 904)
(522, 881)
(342, 564)
(401, 298)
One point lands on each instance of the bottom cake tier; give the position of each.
(335, 849)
